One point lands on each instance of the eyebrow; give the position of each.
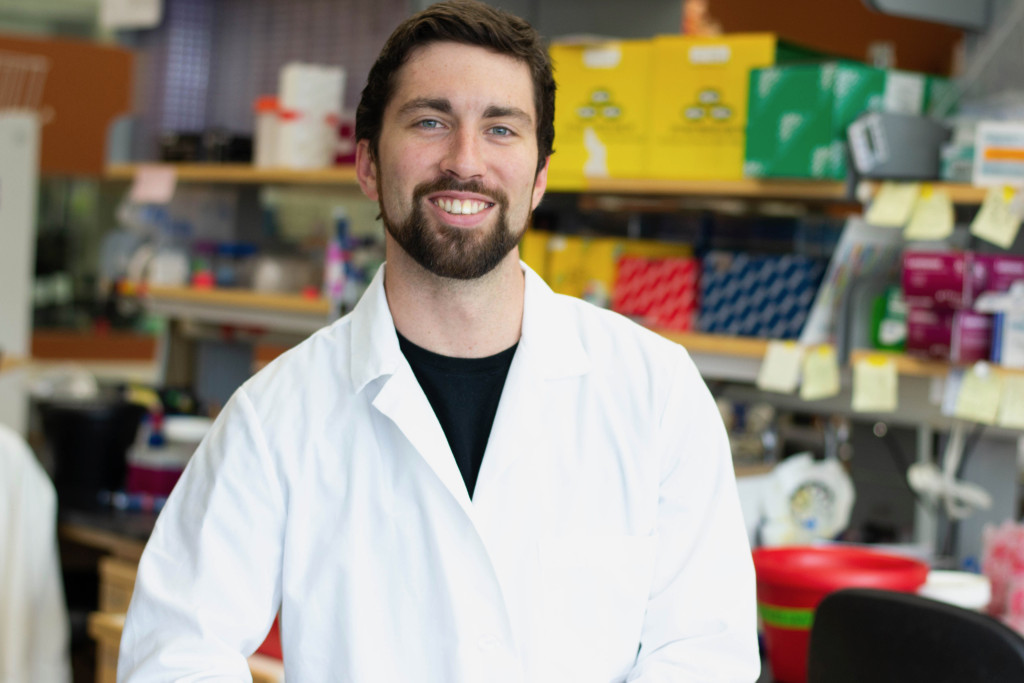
(494, 112)
(442, 105)
(435, 103)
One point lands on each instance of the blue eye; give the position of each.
(429, 123)
(501, 130)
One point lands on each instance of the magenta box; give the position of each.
(997, 272)
(939, 279)
(155, 481)
(972, 337)
(929, 332)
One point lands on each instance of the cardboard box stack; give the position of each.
(799, 113)
(611, 271)
(941, 289)
(659, 292)
(602, 110)
(699, 103)
(670, 107)
(757, 295)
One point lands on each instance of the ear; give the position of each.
(366, 170)
(540, 183)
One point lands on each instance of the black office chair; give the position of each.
(865, 635)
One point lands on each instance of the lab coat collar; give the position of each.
(549, 335)
(549, 338)
(375, 350)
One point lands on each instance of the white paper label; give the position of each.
(605, 57)
(904, 93)
(710, 54)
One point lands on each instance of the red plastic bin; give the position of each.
(791, 581)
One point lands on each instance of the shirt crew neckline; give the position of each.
(498, 362)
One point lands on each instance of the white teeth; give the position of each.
(466, 207)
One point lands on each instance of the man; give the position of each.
(468, 478)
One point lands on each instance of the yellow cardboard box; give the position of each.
(699, 103)
(602, 111)
(533, 251)
(587, 267)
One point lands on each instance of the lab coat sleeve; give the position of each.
(701, 617)
(34, 627)
(208, 584)
(50, 630)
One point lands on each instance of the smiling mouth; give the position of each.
(464, 207)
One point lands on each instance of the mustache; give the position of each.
(445, 184)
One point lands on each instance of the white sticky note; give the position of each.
(820, 373)
(1011, 405)
(893, 205)
(875, 385)
(153, 185)
(980, 394)
(933, 216)
(998, 220)
(780, 369)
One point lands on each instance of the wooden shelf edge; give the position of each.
(112, 345)
(242, 174)
(746, 187)
(113, 543)
(959, 193)
(242, 298)
(749, 188)
(826, 190)
(720, 344)
(919, 367)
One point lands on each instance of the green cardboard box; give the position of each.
(796, 125)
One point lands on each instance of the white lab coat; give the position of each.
(34, 630)
(604, 541)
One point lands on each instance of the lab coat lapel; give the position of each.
(549, 349)
(402, 400)
(377, 358)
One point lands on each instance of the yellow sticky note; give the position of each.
(820, 373)
(980, 394)
(780, 369)
(932, 217)
(875, 385)
(998, 219)
(893, 205)
(1011, 405)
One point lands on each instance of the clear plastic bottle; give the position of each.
(334, 263)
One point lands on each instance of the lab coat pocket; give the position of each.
(594, 594)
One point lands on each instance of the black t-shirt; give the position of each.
(464, 393)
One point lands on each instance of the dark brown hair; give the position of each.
(471, 23)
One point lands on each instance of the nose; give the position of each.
(463, 157)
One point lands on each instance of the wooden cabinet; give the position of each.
(117, 581)
(106, 627)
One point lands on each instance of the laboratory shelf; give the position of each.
(240, 308)
(242, 174)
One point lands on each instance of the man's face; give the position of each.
(455, 173)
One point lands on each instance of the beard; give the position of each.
(451, 252)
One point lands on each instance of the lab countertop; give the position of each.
(122, 534)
